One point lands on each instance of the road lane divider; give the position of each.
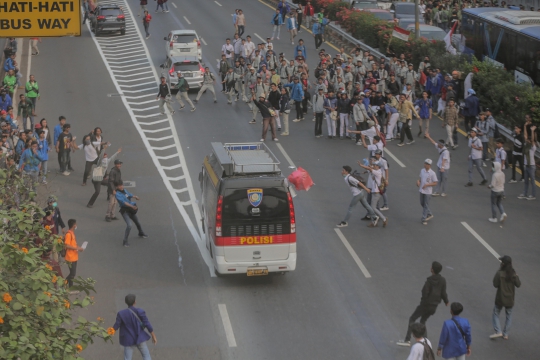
(166, 151)
(257, 35)
(287, 157)
(218, 4)
(386, 151)
(482, 241)
(173, 4)
(227, 326)
(189, 22)
(353, 253)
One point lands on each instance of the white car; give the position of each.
(429, 32)
(183, 43)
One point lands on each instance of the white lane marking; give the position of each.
(178, 178)
(353, 253)
(156, 131)
(218, 3)
(194, 227)
(173, 4)
(204, 42)
(227, 324)
(386, 151)
(289, 160)
(161, 139)
(132, 86)
(172, 168)
(148, 77)
(185, 18)
(166, 157)
(257, 35)
(482, 241)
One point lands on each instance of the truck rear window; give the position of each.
(189, 66)
(237, 205)
(111, 12)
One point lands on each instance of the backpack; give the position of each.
(428, 351)
(355, 174)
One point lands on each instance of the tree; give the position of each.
(36, 312)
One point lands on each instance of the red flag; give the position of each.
(448, 40)
(300, 179)
(401, 33)
(423, 79)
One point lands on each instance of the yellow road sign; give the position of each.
(41, 18)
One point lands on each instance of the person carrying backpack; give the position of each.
(359, 191)
(455, 340)
(422, 349)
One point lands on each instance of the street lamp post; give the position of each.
(416, 20)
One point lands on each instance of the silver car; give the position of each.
(183, 43)
(192, 70)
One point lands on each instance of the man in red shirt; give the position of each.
(308, 13)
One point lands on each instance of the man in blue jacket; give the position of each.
(455, 340)
(317, 33)
(471, 109)
(132, 323)
(301, 47)
(284, 8)
(5, 100)
(128, 209)
(297, 94)
(30, 162)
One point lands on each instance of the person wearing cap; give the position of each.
(164, 95)
(297, 94)
(506, 280)
(103, 162)
(433, 291)
(292, 25)
(426, 182)
(471, 109)
(115, 175)
(359, 192)
(182, 86)
(376, 182)
(267, 111)
(318, 110)
(475, 157)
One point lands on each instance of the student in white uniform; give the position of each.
(422, 344)
(426, 182)
(359, 192)
(386, 173)
(475, 157)
(443, 164)
(500, 153)
(376, 182)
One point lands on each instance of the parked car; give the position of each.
(405, 22)
(107, 18)
(183, 43)
(191, 69)
(364, 4)
(428, 32)
(404, 10)
(384, 15)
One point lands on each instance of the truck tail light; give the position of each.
(101, 17)
(291, 214)
(201, 69)
(171, 44)
(120, 17)
(198, 44)
(219, 215)
(171, 71)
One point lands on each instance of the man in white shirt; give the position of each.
(475, 157)
(500, 153)
(359, 192)
(228, 50)
(377, 182)
(386, 173)
(422, 344)
(443, 164)
(249, 48)
(428, 179)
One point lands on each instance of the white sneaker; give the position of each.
(384, 208)
(406, 343)
(296, 120)
(277, 38)
(292, 42)
(66, 173)
(530, 197)
(494, 336)
(429, 217)
(503, 217)
(484, 164)
(521, 196)
(493, 220)
(272, 38)
(275, 139)
(443, 194)
(435, 194)
(342, 224)
(512, 182)
(359, 143)
(262, 140)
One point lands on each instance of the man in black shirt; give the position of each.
(115, 175)
(517, 154)
(264, 107)
(65, 143)
(164, 97)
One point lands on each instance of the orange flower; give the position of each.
(99, 319)
(66, 304)
(1, 320)
(24, 210)
(7, 298)
(111, 331)
(55, 300)
(48, 266)
(24, 250)
(47, 227)
(59, 241)
(78, 347)
(47, 293)
(54, 278)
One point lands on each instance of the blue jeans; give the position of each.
(478, 163)
(496, 202)
(424, 201)
(497, 323)
(128, 351)
(529, 177)
(355, 200)
(127, 218)
(443, 179)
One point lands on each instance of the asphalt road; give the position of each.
(327, 308)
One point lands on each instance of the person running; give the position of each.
(183, 87)
(497, 192)
(128, 209)
(277, 22)
(292, 26)
(506, 281)
(359, 192)
(146, 22)
(443, 165)
(208, 84)
(433, 291)
(426, 182)
(455, 340)
(475, 157)
(103, 163)
(164, 97)
(422, 345)
(376, 185)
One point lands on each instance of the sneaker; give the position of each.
(229, 102)
(493, 220)
(443, 194)
(148, 37)
(424, 222)
(401, 144)
(429, 217)
(455, 147)
(496, 335)
(143, 235)
(66, 173)
(385, 222)
(389, 139)
(173, 112)
(215, 101)
(272, 38)
(522, 180)
(404, 343)
(278, 129)
(512, 182)
(181, 107)
(262, 140)
(372, 225)
(195, 101)
(107, 219)
(484, 164)
(277, 38)
(419, 132)
(292, 42)
(44, 182)
(114, 218)
(286, 133)
(384, 208)
(530, 197)
(435, 194)
(410, 142)
(468, 184)
(359, 143)
(505, 337)
(275, 139)
(483, 182)
(252, 122)
(521, 196)
(296, 120)
(89, 206)
(366, 218)
(192, 109)
(342, 224)
(376, 220)
(126, 244)
(503, 218)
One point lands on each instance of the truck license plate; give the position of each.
(257, 272)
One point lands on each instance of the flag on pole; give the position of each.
(401, 33)
(423, 79)
(448, 40)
